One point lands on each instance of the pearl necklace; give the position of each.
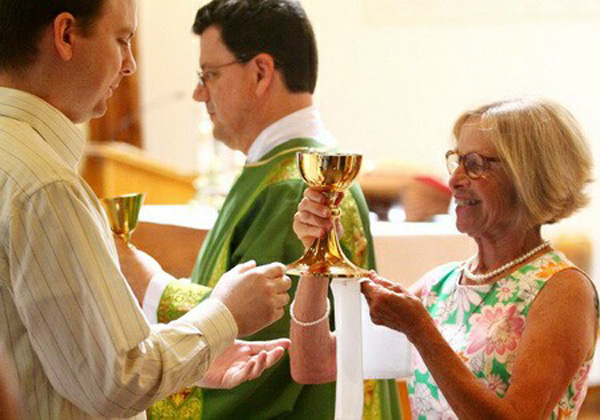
(479, 278)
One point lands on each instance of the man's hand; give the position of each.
(243, 361)
(313, 218)
(137, 267)
(255, 296)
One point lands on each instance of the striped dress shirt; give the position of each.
(69, 323)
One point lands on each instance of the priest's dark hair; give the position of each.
(22, 23)
(279, 28)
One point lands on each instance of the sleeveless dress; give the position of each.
(484, 325)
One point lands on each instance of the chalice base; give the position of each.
(321, 260)
(323, 269)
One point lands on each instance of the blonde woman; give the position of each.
(509, 333)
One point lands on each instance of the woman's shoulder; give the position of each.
(563, 281)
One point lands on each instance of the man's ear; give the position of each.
(265, 66)
(64, 35)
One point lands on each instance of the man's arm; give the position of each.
(163, 298)
(264, 235)
(82, 318)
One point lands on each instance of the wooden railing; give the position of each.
(116, 168)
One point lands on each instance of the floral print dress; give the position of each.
(484, 325)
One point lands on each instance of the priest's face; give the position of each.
(226, 87)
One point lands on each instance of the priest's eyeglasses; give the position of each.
(474, 164)
(205, 76)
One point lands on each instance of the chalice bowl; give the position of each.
(123, 212)
(331, 173)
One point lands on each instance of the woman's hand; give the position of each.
(313, 218)
(393, 306)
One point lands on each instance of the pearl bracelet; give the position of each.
(311, 323)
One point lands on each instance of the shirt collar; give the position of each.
(305, 122)
(53, 126)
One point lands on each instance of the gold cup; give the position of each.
(123, 212)
(331, 173)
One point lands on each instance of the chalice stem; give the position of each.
(127, 238)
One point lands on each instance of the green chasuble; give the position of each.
(256, 223)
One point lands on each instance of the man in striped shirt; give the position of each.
(69, 323)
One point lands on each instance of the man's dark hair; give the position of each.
(276, 27)
(23, 21)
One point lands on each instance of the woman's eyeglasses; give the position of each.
(475, 165)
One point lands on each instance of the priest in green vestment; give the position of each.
(258, 72)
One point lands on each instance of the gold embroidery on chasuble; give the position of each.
(178, 299)
(372, 407)
(221, 264)
(285, 171)
(184, 405)
(354, 234)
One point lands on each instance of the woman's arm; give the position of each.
(312, 352)
(559, 336)
(556, 341)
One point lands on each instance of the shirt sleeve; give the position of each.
(85, 326)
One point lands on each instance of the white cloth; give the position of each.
(304, 123)
(349, 387)
(69, 323)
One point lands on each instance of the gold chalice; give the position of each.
(332, 173)
(123, 212)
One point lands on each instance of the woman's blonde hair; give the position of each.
(543, 151)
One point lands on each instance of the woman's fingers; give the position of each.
(390, 285)
(307, 233)
(315, 208)
(368, 288)
(312, 219)
(316, 195)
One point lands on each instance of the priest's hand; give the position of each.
(255, 296)
(137, 267)
(313, 218)
(243, 361)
